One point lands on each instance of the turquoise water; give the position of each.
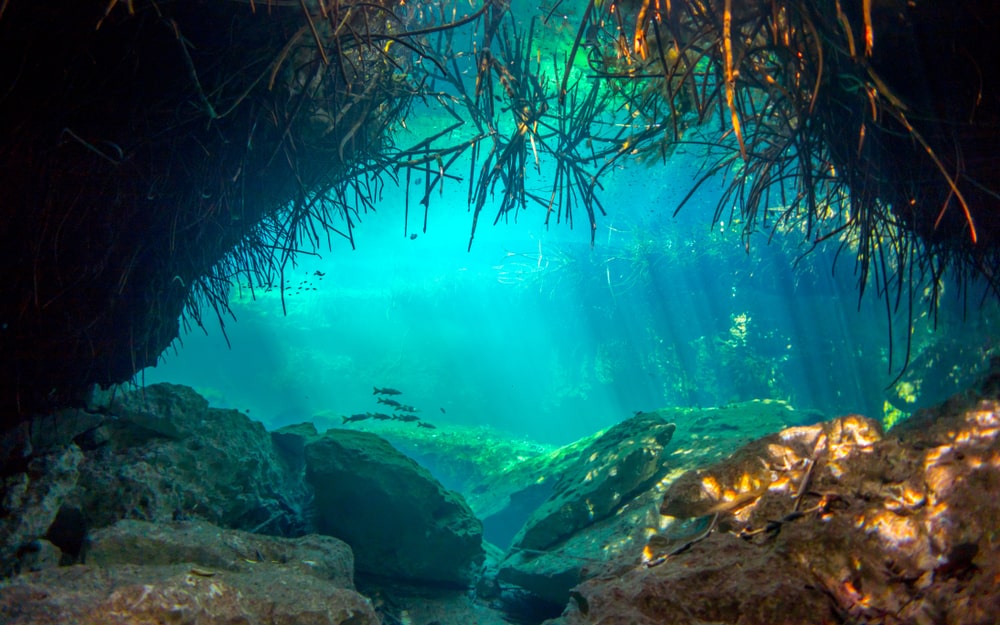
(535, 333)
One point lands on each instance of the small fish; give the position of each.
(357, 417)
(319, 274)
(389, 402)
(405, 408)
(424, 424)
(202, 572)
(407, 418)
(381, 416)
(385, 391)
(413, 236)
(442, 410)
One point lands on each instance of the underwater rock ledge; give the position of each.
(399, 520)
(828, 523)
(593, 503)
(157, 454)
(192, 572)
(161, 454)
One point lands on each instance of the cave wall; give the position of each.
(140, 145)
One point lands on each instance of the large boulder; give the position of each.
(192, 572)
(595, 504)
(217, 549)
(30, 501)
(506, 499)
(155, 454)
(826, 523)
(549, 575)
(166, 455)
(620, 464)
(179, 593)
(399, 520)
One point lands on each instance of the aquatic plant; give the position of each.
(155, 154)
(839, 121)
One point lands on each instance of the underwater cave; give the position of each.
(504, 237)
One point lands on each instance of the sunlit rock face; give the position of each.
(827, 523)
(399, 520)
(624, 461)
(777, 463)
(595, 500)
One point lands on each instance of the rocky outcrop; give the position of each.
(550, 574)
(623, 462)
(826, 523)
(217, 549)
(192, 572)
(161, 454)
(398, 519)
(597, 502)
(30, 502)
(506, 499)
(155, 454)
(167, 455)
(290, 442)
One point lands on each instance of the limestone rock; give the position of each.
(602, 505)
(774, 462)
(506, 500)
(179, 593)
(400, 522)
(620, 464)
(31, 501)
(165, 455)
(211, 547)
(290, 442)
(827, 523)
(156, 454)
(733, 584)
(551, 574)
(192, 572)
